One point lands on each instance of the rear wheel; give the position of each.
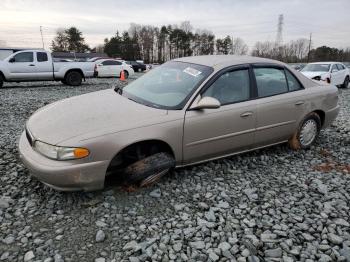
(307, 132)
(346, 82)
(64, 82)
(1, 81)
(73, 78)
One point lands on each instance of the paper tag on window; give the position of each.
(191, 71)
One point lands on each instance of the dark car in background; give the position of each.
(138, 67)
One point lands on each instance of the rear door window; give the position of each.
(270, 81)
(340, 67)
(107, 63)
(335, 68)
(115, 63)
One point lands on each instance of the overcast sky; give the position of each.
(252, 20)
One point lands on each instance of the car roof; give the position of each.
(108, 59)
(221, 61)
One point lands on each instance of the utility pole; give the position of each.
(42, 39)
(308, 54)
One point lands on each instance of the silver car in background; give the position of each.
(187, 111)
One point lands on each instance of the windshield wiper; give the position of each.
(119, 90)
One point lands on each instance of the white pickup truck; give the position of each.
(38, 65)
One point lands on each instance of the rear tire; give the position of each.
(149, 169)
(307, 132)
(73, 78)
(1, 81)
(346, 82)
(64, 82)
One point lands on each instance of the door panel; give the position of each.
(23, 68)
(278, 117)
(102, 69)
(280, 105)
(43, 66)
(336, 75)
(210, 133)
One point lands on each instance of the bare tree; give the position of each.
(239, 47)
(186, 26)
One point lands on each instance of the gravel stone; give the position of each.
(275, 253)
(335, 239)
(156, 193)
(100, 236)
(213, 256)
(29, 256)
(197, 245)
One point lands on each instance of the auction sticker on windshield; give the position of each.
(191, 71)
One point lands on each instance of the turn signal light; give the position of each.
(81, 152)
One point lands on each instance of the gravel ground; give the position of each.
(269, 205)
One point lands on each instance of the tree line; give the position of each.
(159, 44)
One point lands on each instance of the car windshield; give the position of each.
(168, 86)
(316, 68)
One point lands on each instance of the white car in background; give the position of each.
(112, 68)
(331, 72)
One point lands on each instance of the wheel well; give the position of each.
(322, 116)
(75, 70)
(148, 146)
(2, 75)
(126, 156)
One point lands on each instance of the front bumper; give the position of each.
(62, 175)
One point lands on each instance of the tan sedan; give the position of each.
(187, 111)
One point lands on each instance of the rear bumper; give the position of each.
(330, 116)
(62, 175)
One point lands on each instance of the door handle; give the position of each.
(299, 103)
(31, 65)
(246, 114)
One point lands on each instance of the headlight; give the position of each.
(59, 152)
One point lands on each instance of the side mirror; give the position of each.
(206, 103)
(12, 60)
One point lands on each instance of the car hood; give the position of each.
(94, 113)
(313, 74)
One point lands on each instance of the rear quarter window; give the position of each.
(293, 83)
(41, 57)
